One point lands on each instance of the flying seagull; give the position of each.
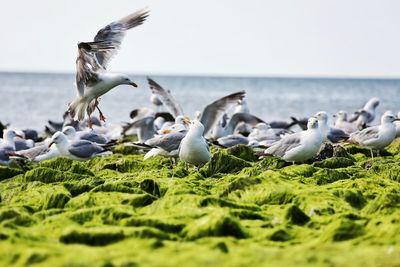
(92, 78)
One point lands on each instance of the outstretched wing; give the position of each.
(87, 66)
(213, 112)
(115, 32)
(166, 98)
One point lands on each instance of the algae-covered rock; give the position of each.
(243, 152)
(166, 225)
(139, 200)
(6, 172)
(223, 163)
(334, 163)
(47, 175)
(66, 165)
(354, 197)
(271, 163)
(303, 170)
(217, 223)
(92, 237)
(342, 230)
(386, 203)
(295, 215)
(280, 235)
(325, 176)
(240, 184)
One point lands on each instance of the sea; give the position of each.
(29, 100)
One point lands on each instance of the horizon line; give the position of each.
(220, 75)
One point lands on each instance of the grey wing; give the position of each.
(34, 152)
(284, 145)
(84, 149)
(94, 137)
(213, 112)
(232, 140)
(166, 98)
(366, 134)
(335, 135)
(242, 117)
(171, 142)
(87, 66)
(114, 34)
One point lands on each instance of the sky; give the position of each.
(329, 38)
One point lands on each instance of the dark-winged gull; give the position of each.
(366, 114)
(224, 128)
(300, 146)
(78, 150)
(166, 144)
(37, 153)
(376, 137)
(329, 133)
(194, 148)
(91, 136)
(342, 123)
(92, 79)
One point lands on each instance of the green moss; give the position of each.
(217, 223)
(92, 237)
(343, 230)
(334, 163)
(223, 163)
(123, 211)
(243, 152)
(6, 172)
(294, 215)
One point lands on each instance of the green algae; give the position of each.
(238, 210)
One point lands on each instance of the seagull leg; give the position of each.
(372, 154)
(101, 116)
(378, 153)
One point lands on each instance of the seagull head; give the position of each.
(389, 118)
(58, 138)
(341, 115)
(69, 131)
(10, 135)
(124, 79)
(196, 128)
(322, 117)
(312, 123)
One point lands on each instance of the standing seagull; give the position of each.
(300, 146)
(376, 137)
(194, 148)
(92, 79)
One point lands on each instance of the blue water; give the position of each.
(29, 100)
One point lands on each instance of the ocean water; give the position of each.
(28, 100)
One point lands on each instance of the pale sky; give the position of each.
(335, 38)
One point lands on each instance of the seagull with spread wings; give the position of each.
(92, 78)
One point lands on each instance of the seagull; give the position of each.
(7, 146)
(91, 136)
(300, 146)
(397, 123)
(166, 144)
(194, 148)
(342, 123)
(37, 153)
(92, 78)
(78, 150)
(376, 137)
(334, 135)
(366, 114)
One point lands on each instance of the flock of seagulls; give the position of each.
(166, 130)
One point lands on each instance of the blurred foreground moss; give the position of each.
(237, 210)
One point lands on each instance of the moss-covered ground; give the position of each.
(237, 210)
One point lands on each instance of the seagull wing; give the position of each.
(84, 149)
(166, 98)
(114, 34)
(213, 112)
(87, 66)
(284, 145)
(365, 135)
